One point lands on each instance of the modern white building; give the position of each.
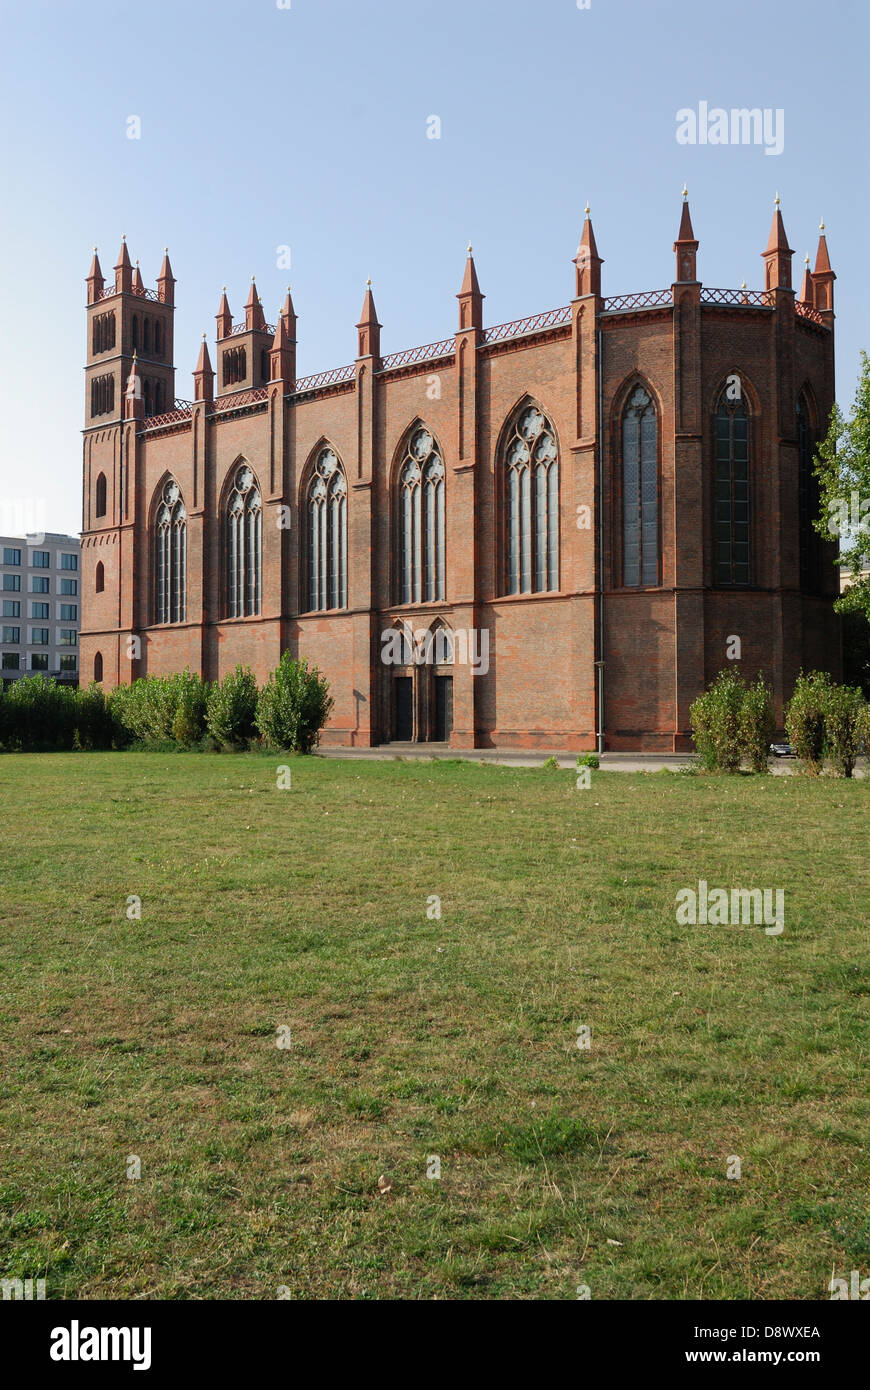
(40, 589)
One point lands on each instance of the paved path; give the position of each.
(520, 757)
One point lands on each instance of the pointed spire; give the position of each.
(254, 316)
(166, 280)
(824, 277)
(368, 328)
(288, 314)
(138, 286)
(224, 317)
(588, 263)
(807, 295)
(470, 297)
(123, 268)
(686, 245)
(777, 254)
(95, 281)
(282, 356)
(134, 401)
(203, 376)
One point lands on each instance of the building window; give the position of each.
(98, 666)
(421, 521)
(12, 635)
(808, 502)
(102, 395)
(70, 587)
(171, 555)
(39, 610)
(244, 522)
(100, 499)
(39, 661)
(11, 661)
(532, 510)
(69, 612)
(12, 583)
(11, 556)
(38, 585)
(731, 494)
(67, 637)
(640, 530)
(69, 560)
(11, 608)
(100, 579)
(327, 534)
(104, 332)
(40, 560)
(39, 636)
(68, 663)
(234, 366)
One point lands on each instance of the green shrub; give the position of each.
(231, 713)
(157, 708)
(550, 763)
(805, 719)
(39, 715)
(845, 715)
(757, 724)
(588, 760)
(717, 723)
(293, 706)
(94, 726)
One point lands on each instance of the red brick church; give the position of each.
(545, 533)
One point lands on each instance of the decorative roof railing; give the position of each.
(183, 411)
(427, 353)
(240, 398)
(741, 298)
(243, 328)
(520, 328)
(807, 311)
(109, 290)
(330, 378)
(642, 299)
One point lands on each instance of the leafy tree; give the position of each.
(842, 466)
(805, 719)
(232, 708)
(845, 716)
(293, 706)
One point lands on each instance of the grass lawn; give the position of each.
(306, 909)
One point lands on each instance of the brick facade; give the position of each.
(659, 644)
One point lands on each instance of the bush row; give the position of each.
(734, 721)
(39, 715)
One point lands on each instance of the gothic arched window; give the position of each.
(327, 534)
(244, 522)
(421, 521)
(100, 497)
(731, 494)
(808, 500)
(98, 666)
(100, 579)
(170, 558)
(532, 504)
(640, 526)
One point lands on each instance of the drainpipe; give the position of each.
(599, 664)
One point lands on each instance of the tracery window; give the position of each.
(532, 510)
(640, 531)
(327, 533)
(171, 555)
(421, 521)
(244, 523)
(731, 494)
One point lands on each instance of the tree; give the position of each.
(842, 466)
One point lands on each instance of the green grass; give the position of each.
(410, 1036)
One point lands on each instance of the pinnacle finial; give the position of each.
(822, 225)
(166, 250)
(743, 284)
(123, 236)
(135, 354)
(807, 259)
(203, 337)
(95, 250)
(587, 209)
(777, 200)
(368, 283)
(137, 262)
(223, 289)
(685, 191)
(469, 248)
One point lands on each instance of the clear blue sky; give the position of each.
(264, 127)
